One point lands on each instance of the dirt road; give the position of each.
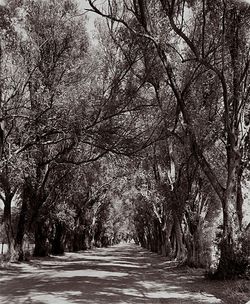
(120, 274)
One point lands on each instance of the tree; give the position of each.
(45, 61)
(220, 51)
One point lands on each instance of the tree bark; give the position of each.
(41, 240)
(231, 223)
(167, 250)
(21, 231)
(179, 249)
(58, 240)
(7, 220)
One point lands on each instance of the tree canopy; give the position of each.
(142, 135)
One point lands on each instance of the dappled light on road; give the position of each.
(120, 274)
(88, 273)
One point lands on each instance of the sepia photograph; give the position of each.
(125, 151)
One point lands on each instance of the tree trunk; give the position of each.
(21, 231)
(58, 241)
(41, 240)
(229, 242)
(76, 242)
(179, 248)
(8, 229)
(229, 266)
(156, 244)
(193, 244)
(166, 233)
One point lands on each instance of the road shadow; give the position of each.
(120, 274)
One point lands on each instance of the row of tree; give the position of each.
(57, 116)
(191, 59)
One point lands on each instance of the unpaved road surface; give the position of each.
(121, 274)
